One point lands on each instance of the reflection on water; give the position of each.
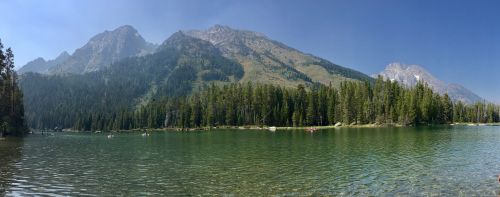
(447, 161)
(10, 154)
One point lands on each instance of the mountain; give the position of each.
(100, 52)
(185, 62)
(410, 75)
(460, 93)
(180, 64)
(39, 65)
(263, 59)
(104, 49)
(269, 61)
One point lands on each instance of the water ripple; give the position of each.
(443, 161)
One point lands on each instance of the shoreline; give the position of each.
(268, 128)
(254, 127)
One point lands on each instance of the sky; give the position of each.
(457, 41)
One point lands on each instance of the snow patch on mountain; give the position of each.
(410, 75)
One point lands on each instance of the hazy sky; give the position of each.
(458, 41)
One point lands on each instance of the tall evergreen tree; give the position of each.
(11, 98)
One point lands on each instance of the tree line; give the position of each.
(236, 104)
(11, 98)
(60, 100)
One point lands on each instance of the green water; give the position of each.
(444, 161)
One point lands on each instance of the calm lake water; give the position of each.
(444, 161)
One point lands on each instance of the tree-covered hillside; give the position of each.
(353, 103)
(179, 65)
(271, 62)
(188, 82)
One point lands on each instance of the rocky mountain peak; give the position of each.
(64, 55)
(219, 29)
(396, 66)
(263, 59)
(411, 69)
(99, 52)
(269, 60)
(104, 49)
(174, 38)
(38, 60)
(410, 75)
(126, 28)
(40, 65)
(116, 38)
(178, 39)
(220, 34)
(215, 35)
(188, 45)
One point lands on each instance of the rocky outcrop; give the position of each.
(410, 75)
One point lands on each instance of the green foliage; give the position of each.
(11, 98)
(156, 91)
(237, 104)
(181, 62)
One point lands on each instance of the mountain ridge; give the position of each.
(264, 60)
(410, 75)
(99, 52)
(40, 65)
(268, 60)
(179, 66)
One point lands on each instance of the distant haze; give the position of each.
(456, 41)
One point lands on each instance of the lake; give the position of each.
(444, 161)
